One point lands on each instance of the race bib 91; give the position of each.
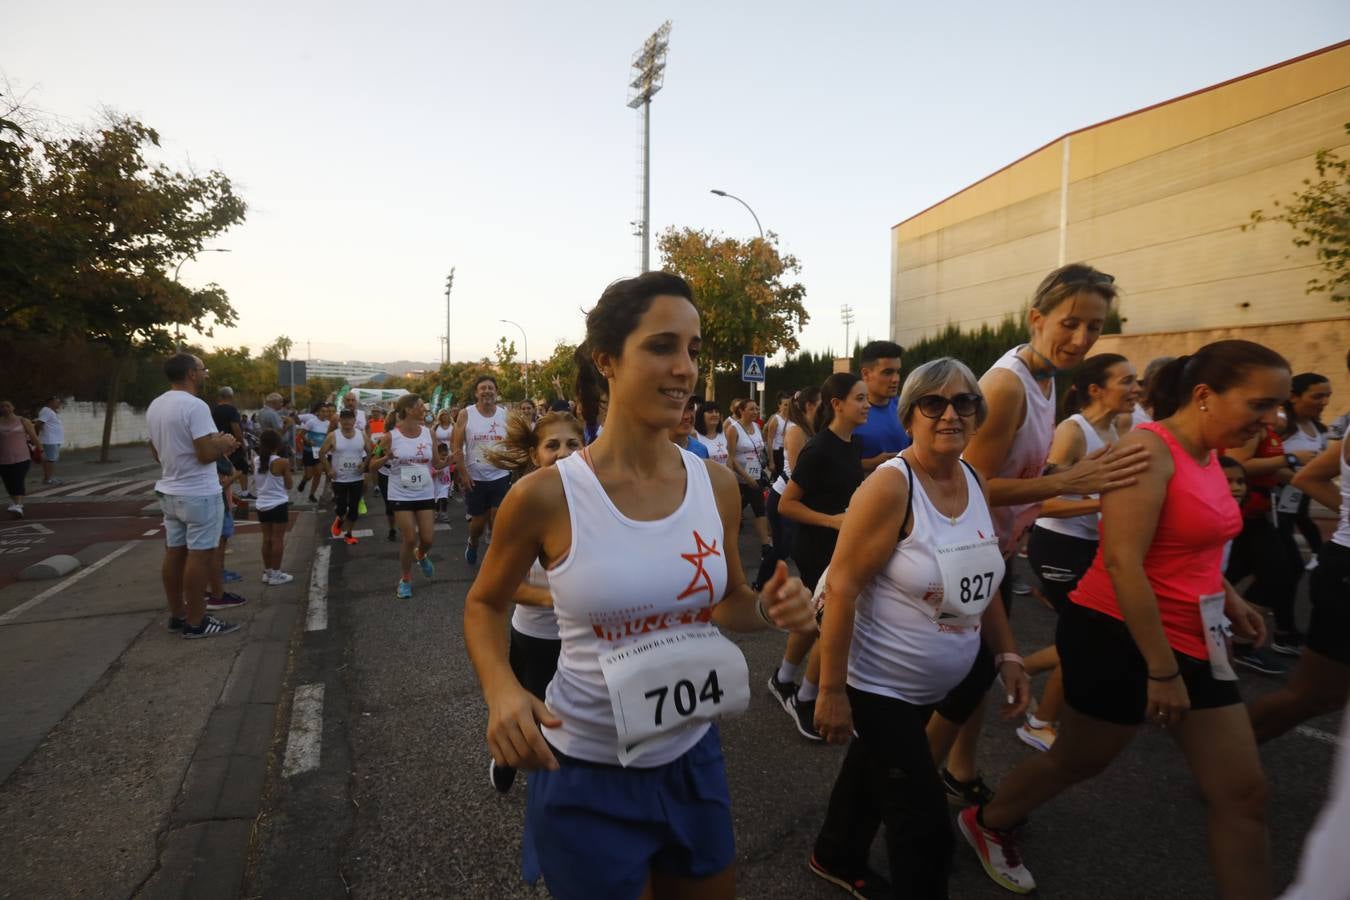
(414, 478)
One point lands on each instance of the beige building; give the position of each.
(1158, 198)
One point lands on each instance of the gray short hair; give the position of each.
(274, 396)
(932, 377)
(225, 392)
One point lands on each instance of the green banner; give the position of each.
(342, 392)
(436, 400)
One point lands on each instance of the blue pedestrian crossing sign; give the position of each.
(752, 368)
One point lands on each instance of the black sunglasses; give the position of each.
(1085, 276)
(934, 405)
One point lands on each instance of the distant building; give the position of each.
(353, 373)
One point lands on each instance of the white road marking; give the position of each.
(26, 529)
(62, 585)
(1317, 734)
(305, 740)
(362, 533)
(442, 526)
(151, 533)
(134, 487)
(70, 490)
(317, 617)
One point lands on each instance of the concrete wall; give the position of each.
(1314, 346)
(1158, 198)
(84, 424)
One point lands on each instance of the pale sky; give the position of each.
(380, 144)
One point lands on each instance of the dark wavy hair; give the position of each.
(1223, 365)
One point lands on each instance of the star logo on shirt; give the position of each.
(701, 580)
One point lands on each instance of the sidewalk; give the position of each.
(133, 760)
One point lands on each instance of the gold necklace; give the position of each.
(951, 520)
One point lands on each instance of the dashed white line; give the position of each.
(317, 617)
(305, 740)
(151, 532)
(358, 533)
(1317, 734)
(62, 585)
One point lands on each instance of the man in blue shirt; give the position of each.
(883, 436)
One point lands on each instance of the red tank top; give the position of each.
(1197, 518)
(1259, 487)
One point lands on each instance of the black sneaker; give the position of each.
(864, 885)
(392, 536)
(502, 777)
(225, 601)
(804, 714)
(966, 793)
(783, 691)
(1258, 660)
(210, 627)
(177, 624)
(1289, 643)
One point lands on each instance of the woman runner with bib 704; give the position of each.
(639, 540)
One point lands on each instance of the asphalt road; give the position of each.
(400, 805)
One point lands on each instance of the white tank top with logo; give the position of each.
(536, 621)
(912, 641)
(410, 474)
(349, 454)
(717, 447)
(749, 448)
(1084, 526)
(482, 433)
(1028, 452)
(778, 431)
(271, 489)
(780, 483)
(626, 585)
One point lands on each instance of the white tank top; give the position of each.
(778, 431)
(443, 434)
(780, 483)
(348, 453)
(749, 448)
(717, 447)
(1084, 526)
(1026, 456)
(271, 489)
(1342, 535)
(621, 582)
(481, 433)
(409, 459)
(536, 621)
(1300, 440)
(898, 649)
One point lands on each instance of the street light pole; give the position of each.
(178, 326)
(649, 63)
(746, 205)
(526, 341)
(449, 283)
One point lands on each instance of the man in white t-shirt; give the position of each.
(52, 434)
(186, 444)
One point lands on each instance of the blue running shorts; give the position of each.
(594, 830)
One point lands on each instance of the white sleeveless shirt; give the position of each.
(1342, 534)
(271, 489)
(717, 447)
(902, 647)
(348, 454)
(624, 581)
(536, 621)
(1084, 526)
(1027, 455)
(779, 430)
(780, 483)
(749, 447)
(410, 475)
(482, 433)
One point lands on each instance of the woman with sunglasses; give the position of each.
(827, 472)
(1067, 315)
(909, 596)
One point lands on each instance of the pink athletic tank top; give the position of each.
(1184, 562)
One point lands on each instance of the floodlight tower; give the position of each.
(846, 316)
(649, 67)
(449, 284)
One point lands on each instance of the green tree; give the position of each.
(278, 349)
(745, 302)
(1319, 214)
(556, 377)
(508, 370)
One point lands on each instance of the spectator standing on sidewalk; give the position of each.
(228, 421)
(52, 434)
(186, 444)
(16, 434)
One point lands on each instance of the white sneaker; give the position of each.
(16, 509)
(266, 576)
(280, 577)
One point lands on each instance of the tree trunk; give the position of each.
(710, 388)
(114, 396)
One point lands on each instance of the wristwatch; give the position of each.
(1291, 459)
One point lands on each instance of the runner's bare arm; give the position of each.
(1246, 454)
(457, 448)
(1068, 448)
(1316, 479)
(374, 462)
(328, 444)
(790, 505)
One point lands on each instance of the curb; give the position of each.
(51, 567)
(204, 848)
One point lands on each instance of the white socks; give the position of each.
(807, 692)
(787, 672)
(1037, 723)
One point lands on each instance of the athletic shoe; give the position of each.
(349, 540)
(404, 591)
(502, 777)
(361, 506)
(210, 627)
(225, 601)
(248, 495)
(1289, 643)
(783, 691)
(471, 554)
(54, 481)
(280, 577)
(391, 536)
(313, 499)
(1042, 738)
(865, 885)
(266, 576)
(16, 510)
(425, 564)
(966, 793)
(997, 851)
(228, 576)
(177, 624)
(1258, 660)
(336, 528)
(804, 714)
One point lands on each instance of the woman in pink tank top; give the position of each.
(1144, 639)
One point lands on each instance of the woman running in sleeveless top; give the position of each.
(1068, 312)
(411, 458)
(910, 594)
(747, 456)
(344, 458)
(1144, 638)
(534, 645)
(1064, 538)
(638, 537)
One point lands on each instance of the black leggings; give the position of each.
(888, 777)
(14, 474)
(347, 498)
(962, 701)
(1270, 554)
